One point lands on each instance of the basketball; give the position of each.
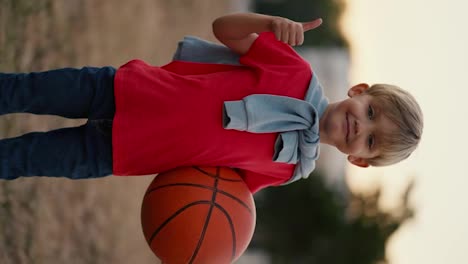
(198, 215)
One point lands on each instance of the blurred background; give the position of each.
(413, 212)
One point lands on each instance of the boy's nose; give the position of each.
(362, 127)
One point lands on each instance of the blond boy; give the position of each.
(264, 115)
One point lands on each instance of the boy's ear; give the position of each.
(357, 89)
(358, 161)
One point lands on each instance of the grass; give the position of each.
(44, 220)
(15, 15)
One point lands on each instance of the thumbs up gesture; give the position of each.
(292, 32)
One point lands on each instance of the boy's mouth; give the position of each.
(347, 127)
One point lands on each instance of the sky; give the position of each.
(421, 46)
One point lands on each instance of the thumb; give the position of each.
(311, 24)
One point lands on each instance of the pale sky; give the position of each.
(421, 46)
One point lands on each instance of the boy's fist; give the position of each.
(292, 32)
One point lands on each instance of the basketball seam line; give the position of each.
(231, 224)
(173, 216)
(208, 217)
(203, 187)
(233, 231)
(214, 176)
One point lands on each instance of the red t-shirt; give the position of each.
(171, 116)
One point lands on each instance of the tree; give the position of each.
(307, 222)
(328, 34)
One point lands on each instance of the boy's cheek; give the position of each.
(353, 148)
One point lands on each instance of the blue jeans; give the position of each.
(77, 152)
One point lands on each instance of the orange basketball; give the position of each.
(198, 215)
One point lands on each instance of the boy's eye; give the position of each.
(370, 112)
(370, 141)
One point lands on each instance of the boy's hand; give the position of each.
(292, 32)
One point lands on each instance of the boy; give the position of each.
(263, 114)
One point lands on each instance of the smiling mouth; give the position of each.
(347, 127)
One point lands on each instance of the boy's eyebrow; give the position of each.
(375, 149)
(378, 135)
(376, 106)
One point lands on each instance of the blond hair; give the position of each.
(403, 110)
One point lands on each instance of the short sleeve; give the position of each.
(256, 181)
(266, 51)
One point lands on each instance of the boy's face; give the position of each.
(355, 126)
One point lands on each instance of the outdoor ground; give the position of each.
(45, 220)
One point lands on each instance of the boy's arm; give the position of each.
(239, 31)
